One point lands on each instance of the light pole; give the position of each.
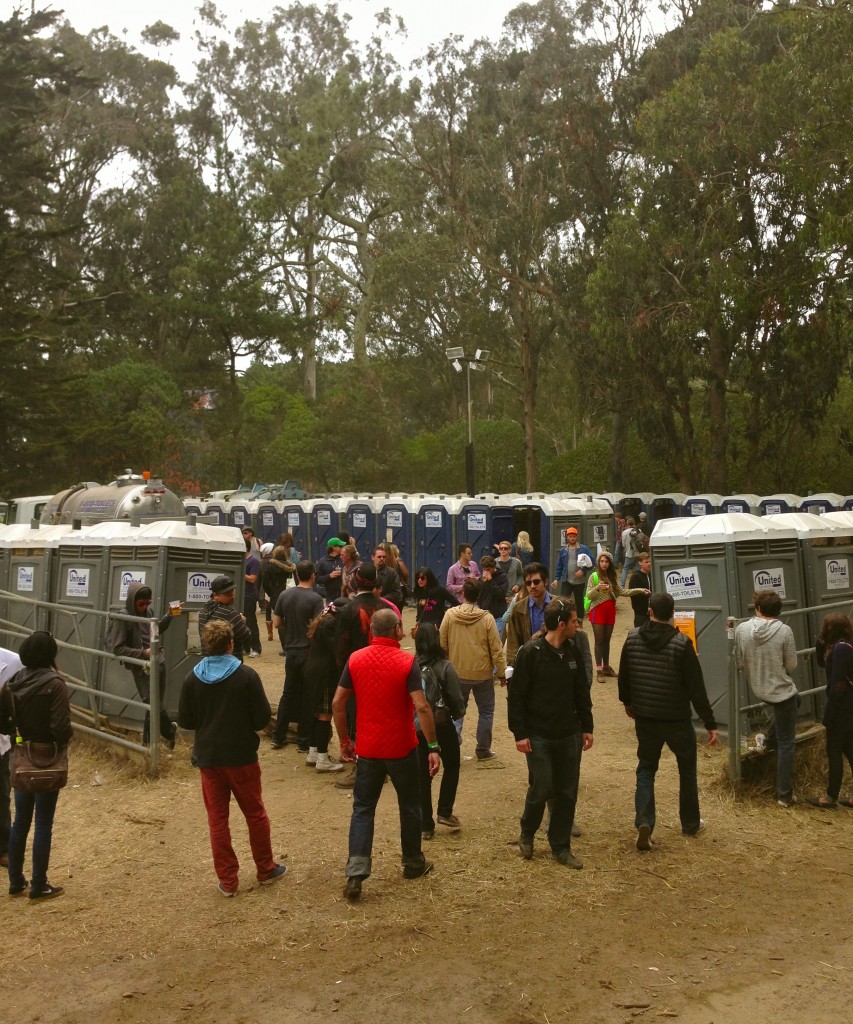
(457, 358)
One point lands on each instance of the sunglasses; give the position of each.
(534, 583)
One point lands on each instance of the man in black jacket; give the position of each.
(550, 716)
(224, 702)
(659, 678)
(221, 606)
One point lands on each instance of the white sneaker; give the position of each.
(326, 764)
(312, 756)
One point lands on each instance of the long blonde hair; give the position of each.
(522, 542)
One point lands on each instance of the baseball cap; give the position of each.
(572, 530)
(334, 542)
(222, 584)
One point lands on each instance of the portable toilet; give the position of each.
(295, 521)
(325, 520)
(502, 522)
(594, 520)
(818, 504)
(826, 549)
(434, 541)
(360, 523)
(613, 498)
(545, 520)
(847, 504)
(27, 572)
(712, 565)
(395, 524)
(474, 526)
(666, 506)
(773, 504)
(240, 513)
(218, 509)
(701, 505)
(195, 506)
(742, 503)
(268, 521)
(633, 504)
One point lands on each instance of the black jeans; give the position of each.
(297, 703)
(143, 687)
(5, 792)
(369, 778)
(43, 805)
(577, 591)
(553, 768)
(251, 613)
(679, 736)
(839, 744)
(448, 740)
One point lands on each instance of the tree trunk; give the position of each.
(529, 361)
(309, 356)
(717, 374)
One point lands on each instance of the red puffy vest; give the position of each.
(385, 725)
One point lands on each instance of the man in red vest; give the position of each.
(386, 682)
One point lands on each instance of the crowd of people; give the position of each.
(502, 621)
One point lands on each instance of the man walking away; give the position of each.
(386, 682)
(659, 678)
(767, 652)
(293, 613)
(550, 716)
(224, 702)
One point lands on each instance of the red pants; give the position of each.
(244, 781)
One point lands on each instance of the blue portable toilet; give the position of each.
(434, 541)
(195, 506)
(240, 514)
(634, 504)
(775, 504)
(818, 504)
(395, 524)
(268, 521)
(325, 516)
(502, 520)
(666, 506)
(219, 511)
(474, 526)
(701, 505)
(296, 521)
(847, 504)
(360, 523)
(746, 504)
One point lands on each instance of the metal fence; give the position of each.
(96, 697)
(738, 686)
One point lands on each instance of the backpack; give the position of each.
(635, 542)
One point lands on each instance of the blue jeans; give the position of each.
(369, 778)
(44, 805)
(484, 698)
(679, 736)
(553, 768)
(629, 566)
(782, 734)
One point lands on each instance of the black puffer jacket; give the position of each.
(660, 675)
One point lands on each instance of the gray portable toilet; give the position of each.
(774, 504)
(434, 540)
(818, 504)
(27, 572)
(741, 503)
(701, 504)
(826, 549)
(847, 504)
(666, 506)
(712, 565)
(613, 498)
(545, 520)
(594, 520)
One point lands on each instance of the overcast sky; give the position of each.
(427, 21)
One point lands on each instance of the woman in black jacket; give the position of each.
(36, 702)
(431, 599)
(444, 695)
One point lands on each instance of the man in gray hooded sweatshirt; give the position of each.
(767, 653)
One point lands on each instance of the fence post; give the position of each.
(154, 699)
(734, 705)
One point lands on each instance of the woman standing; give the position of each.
(444, 696)
(322, 674)
(432, 599)
(602, 589)
(392, 559)
(835, 653)
(523, 549)
(349, 558)
(36, 702)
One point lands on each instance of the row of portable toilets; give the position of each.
(710, 565)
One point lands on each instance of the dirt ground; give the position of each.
(751, 921)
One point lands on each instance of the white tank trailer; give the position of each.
(134, 497)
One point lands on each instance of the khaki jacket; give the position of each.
(470, 636)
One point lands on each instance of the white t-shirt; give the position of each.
(10, 665)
